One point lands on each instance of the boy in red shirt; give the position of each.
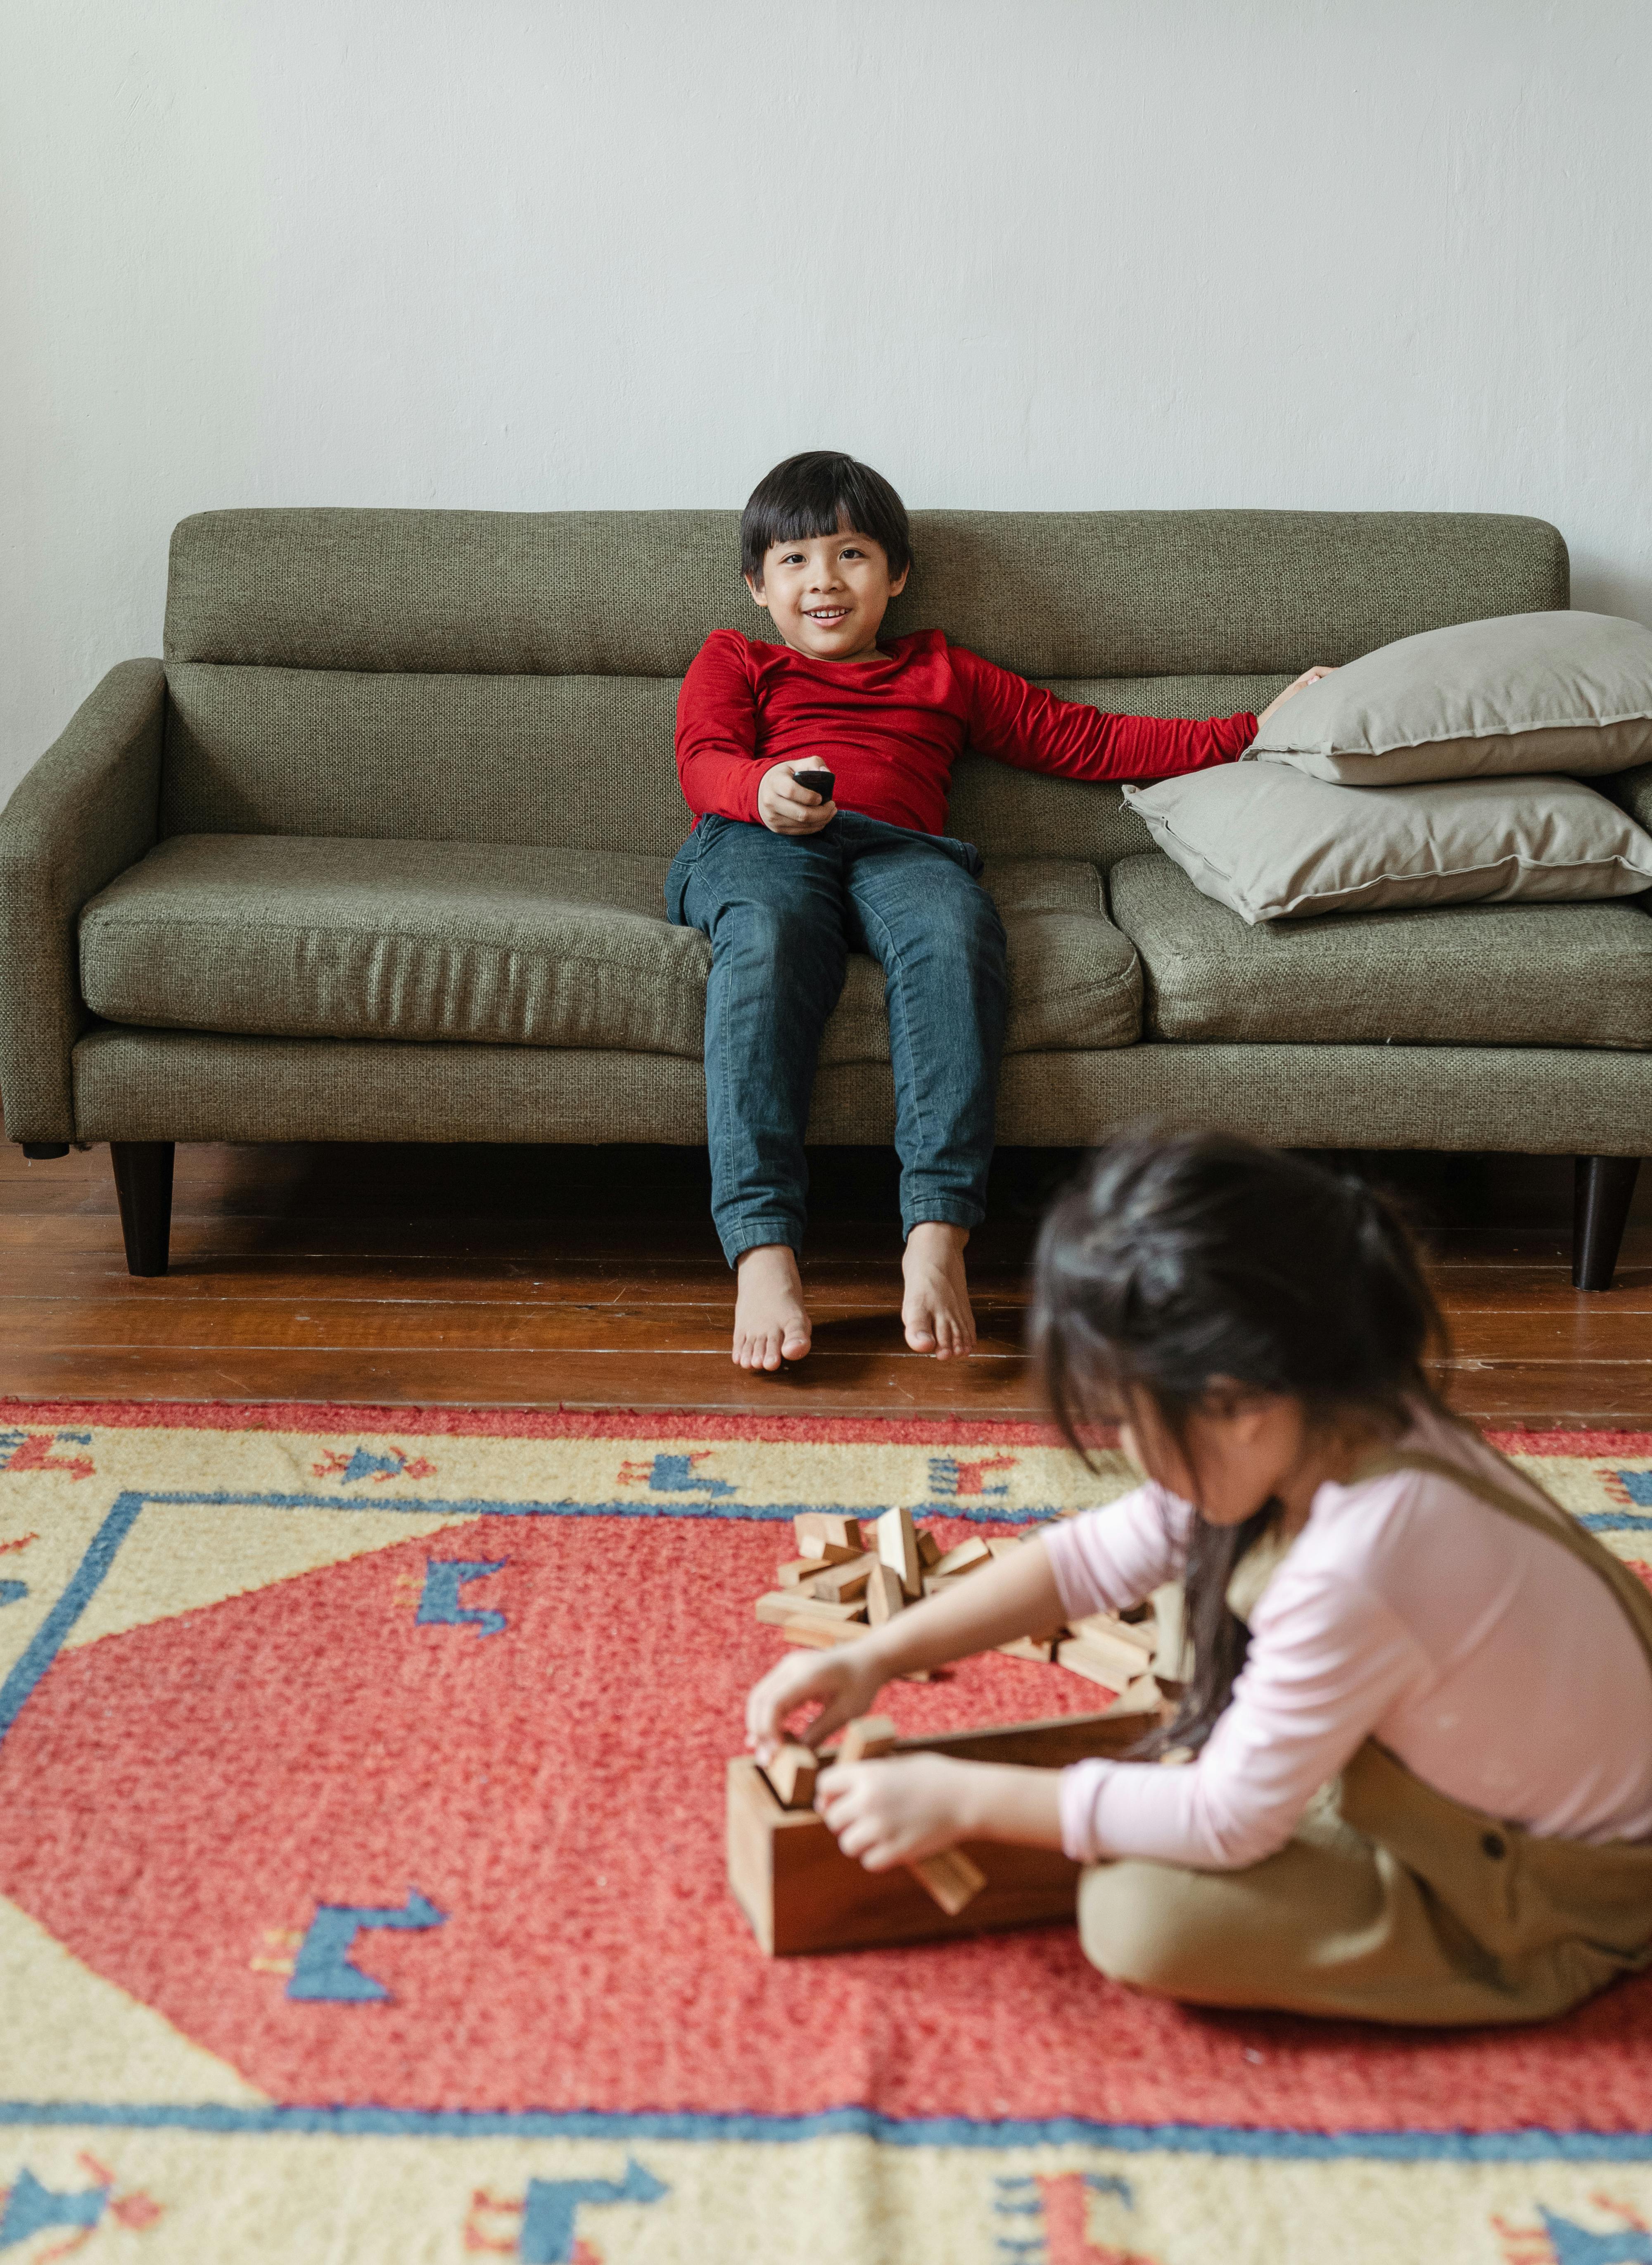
(785, 881)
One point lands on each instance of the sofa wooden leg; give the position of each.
(1601, 1197)
(144, 1183)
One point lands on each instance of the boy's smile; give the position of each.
(828, 593)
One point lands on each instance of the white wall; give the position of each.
(527, 253)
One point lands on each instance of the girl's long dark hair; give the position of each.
(1181, 1262)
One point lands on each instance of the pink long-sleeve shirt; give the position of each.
(1493, 1663)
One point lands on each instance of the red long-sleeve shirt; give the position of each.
(892, 729)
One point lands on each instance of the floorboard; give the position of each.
(591, 1277)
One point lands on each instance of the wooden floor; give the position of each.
(590, 1277)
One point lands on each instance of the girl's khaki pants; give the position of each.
(1390, 1903)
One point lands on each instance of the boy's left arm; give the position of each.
(1019, 724)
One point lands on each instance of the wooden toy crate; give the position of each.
(801, 1893)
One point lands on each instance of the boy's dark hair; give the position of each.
(819, 493)
(1179, 1260)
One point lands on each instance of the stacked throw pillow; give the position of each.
(1441, 769)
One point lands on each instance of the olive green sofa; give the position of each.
(376, 853)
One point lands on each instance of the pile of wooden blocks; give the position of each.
(840, 1582)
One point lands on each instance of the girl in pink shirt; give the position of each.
(1415, 1751)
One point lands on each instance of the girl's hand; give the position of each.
(785, 807)
(898, 1810)
(845, 1684)
(1308, 676)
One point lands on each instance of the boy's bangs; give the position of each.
(806, 519)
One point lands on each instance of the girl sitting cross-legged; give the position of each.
(1417, 1743)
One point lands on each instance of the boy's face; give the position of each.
(828, 593)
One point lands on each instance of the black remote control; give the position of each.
(819, 781)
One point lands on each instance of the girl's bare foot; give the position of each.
(937, 1307)
(771, 1322)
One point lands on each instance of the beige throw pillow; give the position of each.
(1527, 692)
(1274, 843)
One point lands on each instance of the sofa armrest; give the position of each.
(88, 809)
(1632, 789)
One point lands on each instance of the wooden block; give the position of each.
(897, 1546)
(821, 1636)
(968, 1557)
(1141, 1697)
(783, 1605)
(866, 1737)
(792, 1774)
(820, 1534)
(928, 1547)
(885, 1596)
(1140, 1637)
(1029, 1647)
(1094, 1665)
(802, 1894)
(936, 1585)
(796, 1571)
(1142, 1634)
(1002, 1546)
(840, 1584)
(1099, 1654)
(953, 1878)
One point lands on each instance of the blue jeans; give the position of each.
(783, 910)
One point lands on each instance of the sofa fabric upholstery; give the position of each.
(550, 762)
(1633, 790)
(1560, 975)
(84, 811)
(1116, 593)
(191, 1085)
(467, 942)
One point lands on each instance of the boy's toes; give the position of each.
(772, 1348)
(934, 1325)
(753, 1349)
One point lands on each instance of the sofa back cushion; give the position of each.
(511, 676)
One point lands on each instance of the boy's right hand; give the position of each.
(785, 807)
(845, 1682)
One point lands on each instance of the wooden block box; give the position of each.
(801, 1893)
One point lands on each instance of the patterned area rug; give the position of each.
(361, 1894)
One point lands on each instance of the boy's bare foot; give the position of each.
(937, 1307)
(771, 1322)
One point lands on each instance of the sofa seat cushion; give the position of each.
(1074, 981)
(279, 935)
(1565, 975)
